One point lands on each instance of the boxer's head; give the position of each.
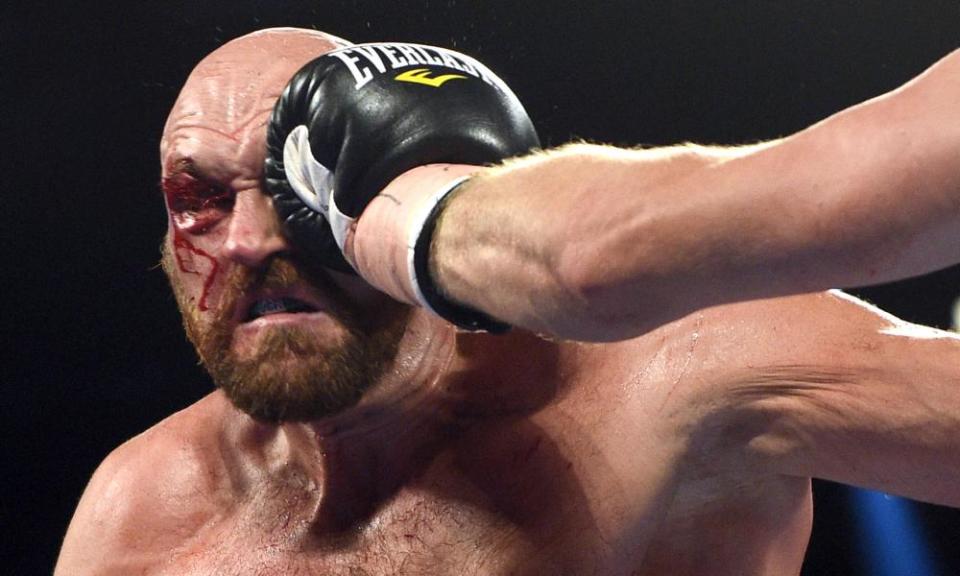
(284, 340)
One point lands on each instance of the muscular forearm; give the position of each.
(600, 244)
(533, 242)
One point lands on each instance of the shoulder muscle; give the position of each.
(144, 499)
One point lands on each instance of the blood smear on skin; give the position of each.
(181, 242)
(192, 193)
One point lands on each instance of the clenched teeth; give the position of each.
(267, 306)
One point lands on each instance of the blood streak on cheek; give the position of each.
(181, 243)
(194, 206)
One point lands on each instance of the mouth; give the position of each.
(263, 307)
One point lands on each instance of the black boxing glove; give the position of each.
(354, 119)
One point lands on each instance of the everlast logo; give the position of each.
(422, 76)
(367, 61)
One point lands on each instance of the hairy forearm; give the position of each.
(601, 244)
(532, 242)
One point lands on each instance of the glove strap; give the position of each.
(418, 265)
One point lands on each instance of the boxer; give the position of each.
(355, 432)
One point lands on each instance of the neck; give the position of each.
(439, 383)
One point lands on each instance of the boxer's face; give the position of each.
(284, 340)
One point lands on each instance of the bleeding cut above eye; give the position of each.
(196, 205)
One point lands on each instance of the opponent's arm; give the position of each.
(595, 243)
(601, 244)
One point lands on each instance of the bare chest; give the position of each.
(474, 511)
(433, 533)
(536, 496)
(417, 533)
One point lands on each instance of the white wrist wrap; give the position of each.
(389, 244)
(415, 229)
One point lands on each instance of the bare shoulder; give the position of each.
(825, 328)
(700, 349)
(147, 494)
(764, 347)
(718, 371)
(830, 387)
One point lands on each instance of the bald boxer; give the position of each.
(400, 445)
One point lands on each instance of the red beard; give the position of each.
(292, 375)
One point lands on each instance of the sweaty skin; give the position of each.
(685, 451)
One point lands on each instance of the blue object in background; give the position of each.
(891, 536)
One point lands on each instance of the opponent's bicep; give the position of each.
(875, 403)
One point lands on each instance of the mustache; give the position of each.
(279, 273)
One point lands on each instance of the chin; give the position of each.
(296, 371)
(297, 334)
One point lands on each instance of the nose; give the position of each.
(254, 233)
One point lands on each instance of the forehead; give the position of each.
(231, 92)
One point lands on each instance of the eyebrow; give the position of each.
(181, 166)
(185, 165)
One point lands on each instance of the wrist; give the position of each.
(389, 244)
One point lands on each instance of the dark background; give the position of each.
(94, 352)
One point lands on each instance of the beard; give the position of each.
(290, 374)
